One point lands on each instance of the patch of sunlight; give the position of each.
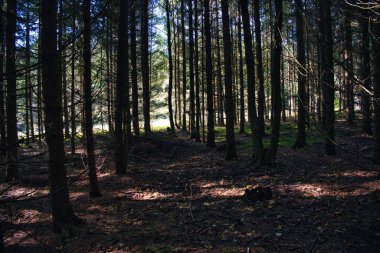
(357, 173)
(223, 192)
(151, 195)
(160, 124)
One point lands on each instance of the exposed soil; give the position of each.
(182, 197)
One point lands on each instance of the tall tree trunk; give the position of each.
(348, 70)
(210, 93)
(170, 88)
(122, 61)
(327, 75)
(366, 77)
(183, 65)
(376, 75)
(135, 95)
(276, 85)
(27, 74)
(301, 70)
(145, 63)
(219, 91)
(260, 69)
(258, 149)
(197, 98)
(230, 136)
(2, 90)
(191, 69)
(11, 108)
(90, 147)
(241, 78)
(52, 94)
(72, 105)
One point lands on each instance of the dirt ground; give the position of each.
(179, 196)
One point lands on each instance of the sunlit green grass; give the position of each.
(288, 134)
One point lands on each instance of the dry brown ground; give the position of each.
(182, 197)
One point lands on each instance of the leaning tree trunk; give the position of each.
(301, 70)
(62, 214)
(276, 85)
(258, 149)
(11, 100)
(209, 88)
(230, 137)
(94, 188)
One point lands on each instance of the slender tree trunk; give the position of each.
(260, 69)
(258, 149)
(191, 70)
(27, 75)
(376, 75)
(276, 85)
(241, 78)
(135, 95)
(348, 71)
(184, 128)
(145, 63)
(210, 93)
(366, 78)
(170, 88)
(219, 92)
(122, 61)
(72, 105)
(301, 70)
(227, 46)
(11, 108)
(197, 98)
(62, 213)
(90, 147)
(2, 90)
(328, 75)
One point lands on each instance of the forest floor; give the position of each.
(180, 196)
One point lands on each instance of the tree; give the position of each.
(145, 63)
(209, 88)
(94, 188)
(241, 78)
(260, 68)
(276, 84)
(191, 69)
(365, 76)
(230, 137)
(301, 70)
(348, 69)
(184, 74)
(326, 51)
(258, 149)
(170, 89)
(376, 74)
(122, 62)
(11, 100)
(2, 53)
(52, 94)
(135, 95)
(197, 96)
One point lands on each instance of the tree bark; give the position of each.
(366, 77)
(11, 106)
(135, 95)
(210, 93)
(170, 88)
(258, 149)
(145, 63)
(184, 127)
(197, 97)
(241, 78)
(230, 136)
(301, 70)
(90, 147)
(62, 214)
(122, 61)
(191, 70)
(260, 69)
(376, 75)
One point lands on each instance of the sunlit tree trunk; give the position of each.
(145, 63)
